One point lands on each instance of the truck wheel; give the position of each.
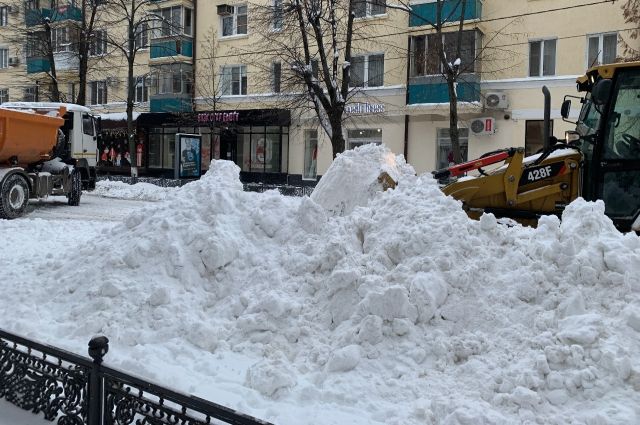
(76, 189)
(14, 196)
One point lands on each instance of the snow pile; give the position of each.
(403, 311)
(141, 191)
(356, 175)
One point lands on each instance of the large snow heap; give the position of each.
(399, 311)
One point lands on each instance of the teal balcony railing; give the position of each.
(35, 65)
(161, 48)
(170, 103)
(33, 17)
(434, 89)
(427, 12)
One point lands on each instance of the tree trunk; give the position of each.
(54, 95)
(337, 136)
(454, 133)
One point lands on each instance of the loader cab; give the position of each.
(81, 131)
(609, 129)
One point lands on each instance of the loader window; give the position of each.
(623, 125)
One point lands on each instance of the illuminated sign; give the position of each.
(218, 117)
(364, 108)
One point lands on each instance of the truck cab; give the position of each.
(608, 132)
(80, 131)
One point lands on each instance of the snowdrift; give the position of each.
(363, 307)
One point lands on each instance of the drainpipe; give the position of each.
(406, 102)
(194, 53)
(546, 132)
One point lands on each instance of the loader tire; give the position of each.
(76, 189)
(14, 196)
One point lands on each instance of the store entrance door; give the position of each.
(228, 140)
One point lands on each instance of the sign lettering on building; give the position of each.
(210, 117)
(364, 108)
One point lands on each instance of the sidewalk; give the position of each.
(12, 415)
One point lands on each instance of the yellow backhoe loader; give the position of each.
(600, 159)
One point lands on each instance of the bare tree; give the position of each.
(209, 80)
(311, 43)
(631, 14)
(134, 19)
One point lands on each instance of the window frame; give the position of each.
(276, 76)
(172, 24)
(528, 133)
(234, 25)
(98, 92)
(141, 83)
(353, 142)
(30, 94)
(99, 44)
(600, 59)
(4, 58)
(4, 95)
(310, 163)
(543, 43)
(368, 9)
(423, 58)
(365, 73)
(141, 36)
(4, 16)
(61, 40)
(242, 72)
(443, 141)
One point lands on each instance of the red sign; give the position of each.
(210, 117)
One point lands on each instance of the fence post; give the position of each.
(98, 347)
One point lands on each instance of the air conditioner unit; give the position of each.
(14, 61)
(483, 126)
(496, 100)
(225, 9)
(112, 81)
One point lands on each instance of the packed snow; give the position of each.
(355, 305)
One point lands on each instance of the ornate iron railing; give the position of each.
(73, 390)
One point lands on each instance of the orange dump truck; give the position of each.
(30, 162)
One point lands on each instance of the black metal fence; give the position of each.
(286, 190)
(77, 391)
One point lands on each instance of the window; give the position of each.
(99, 43)
(363, 136)
(276, 74)
(4, 95)
(142, 36)
(367, 71)
(4, 16)
(174, 81)
(364, 8)
(278, 15)
(98, 92)
(445, 155)
(87, 125)
(236, 23)
(142, 90)
(533, 136)
(175, 20)
(601, 49)
(30, 94)
(61, 40)
(310, 154)
(424, 52)
(542, 58)
(234, 80)
(4, 58)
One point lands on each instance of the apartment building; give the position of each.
(215, 68)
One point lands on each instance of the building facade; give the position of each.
(207, 67)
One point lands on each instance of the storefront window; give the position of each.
(445, 154)
(310, 154)
(155, 149)
(169, 147)
(363, 136)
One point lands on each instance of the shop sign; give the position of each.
(364, 108)
(211, 117)
(188, 155)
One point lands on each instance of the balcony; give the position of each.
(35, 65)
(170, 103)
(33, 17)
(426, 12)
(176, 46)
(433, 89)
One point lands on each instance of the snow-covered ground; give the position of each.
(353, 306)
